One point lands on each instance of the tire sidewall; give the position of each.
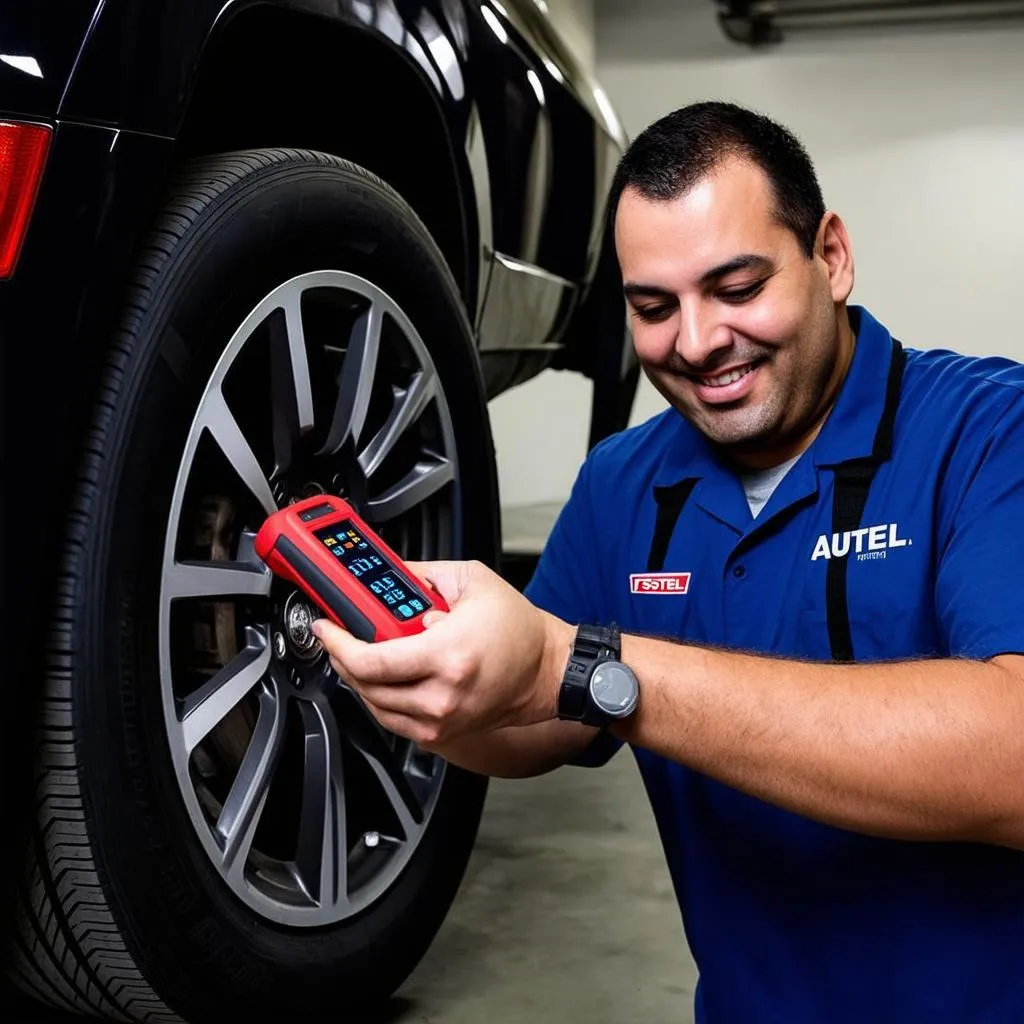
(199, 946)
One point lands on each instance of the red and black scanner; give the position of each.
(323, 546)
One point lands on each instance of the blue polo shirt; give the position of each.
(791, 920)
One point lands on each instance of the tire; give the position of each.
(123, 911)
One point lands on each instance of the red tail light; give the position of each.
(23, 149)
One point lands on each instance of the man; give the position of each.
(824, 528)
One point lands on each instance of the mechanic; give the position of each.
(814, 562)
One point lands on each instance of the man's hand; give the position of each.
(494, 660)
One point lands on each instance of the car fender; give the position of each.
(147, 85)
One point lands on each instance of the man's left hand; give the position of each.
(494, 660)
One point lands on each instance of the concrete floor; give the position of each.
(566, 913)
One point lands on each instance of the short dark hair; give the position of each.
(675, 152)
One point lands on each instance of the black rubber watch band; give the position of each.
(598, 641)
(593, 645)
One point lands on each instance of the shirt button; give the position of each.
(739, 571)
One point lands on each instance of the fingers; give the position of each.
(339, 643)
(401, 725)
(427, 701)
(447, 578)
(396, 661)
(427, 712)
(432, 618)
(424, 706)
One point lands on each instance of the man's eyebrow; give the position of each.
(748, 261)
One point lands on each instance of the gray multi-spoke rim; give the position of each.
(331, 872)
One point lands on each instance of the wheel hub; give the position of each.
(298, 627)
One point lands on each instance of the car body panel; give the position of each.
(518, 132)
(39, 46)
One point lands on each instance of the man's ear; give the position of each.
(832, 246)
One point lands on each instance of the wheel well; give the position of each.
(280, 78)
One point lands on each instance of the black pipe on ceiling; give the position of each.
(757, 23)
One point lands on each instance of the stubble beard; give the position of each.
(743, 431)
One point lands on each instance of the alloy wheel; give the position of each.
(306, 807)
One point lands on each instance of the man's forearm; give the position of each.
(917, 750)
(517, 752)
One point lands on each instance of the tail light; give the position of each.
(23, 149)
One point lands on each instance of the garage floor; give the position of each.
(566, 913)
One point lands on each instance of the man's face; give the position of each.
(733, 324)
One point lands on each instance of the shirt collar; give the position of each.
(848, 431)
(850, 428)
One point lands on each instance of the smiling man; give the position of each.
(754, 372)
(795, 595)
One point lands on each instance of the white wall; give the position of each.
(918, 138)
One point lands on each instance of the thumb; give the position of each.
(338, 642)
(447, 578)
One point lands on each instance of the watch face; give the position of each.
(614, 689)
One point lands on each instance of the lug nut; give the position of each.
(280, 648)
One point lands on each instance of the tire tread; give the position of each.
(68, 949)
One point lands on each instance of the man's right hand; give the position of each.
(474, 688)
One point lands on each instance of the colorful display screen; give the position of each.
(345, 541)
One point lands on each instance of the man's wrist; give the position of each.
(559, 638)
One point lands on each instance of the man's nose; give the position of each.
(700, 335)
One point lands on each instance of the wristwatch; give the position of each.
(597, 688)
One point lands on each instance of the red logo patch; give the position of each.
(659, 582)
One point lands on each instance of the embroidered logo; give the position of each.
(659, 582)
(867, 543)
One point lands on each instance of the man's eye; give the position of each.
(742, 294)
(653, 314)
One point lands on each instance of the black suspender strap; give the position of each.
(670, 501)
(852, 483)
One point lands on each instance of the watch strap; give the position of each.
(593, 644)
(598, 641)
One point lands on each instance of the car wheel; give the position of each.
(222, 827)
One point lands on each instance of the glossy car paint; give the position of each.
(39, 44)
(482, 98)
